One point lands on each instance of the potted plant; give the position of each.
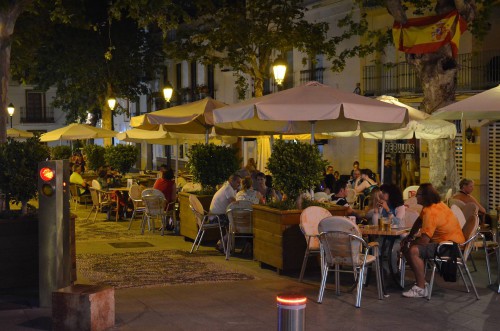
(19, 170)
(95, 156)
(62, 152)
(210, 165)
(121, 157)
(278, 241)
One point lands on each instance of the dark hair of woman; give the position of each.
(169, 174)
(429, 194)
(246, 183)
(103, 173)
(367, 172)
(395, 195)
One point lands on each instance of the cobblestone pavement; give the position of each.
(251, 304)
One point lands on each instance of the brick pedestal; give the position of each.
(83, 307)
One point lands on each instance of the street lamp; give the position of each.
(111, 103)
(279, 69)
(10, 110)
(168, 90)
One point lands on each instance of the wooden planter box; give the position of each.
(278, 241)
(188, 225)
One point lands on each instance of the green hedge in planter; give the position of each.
(296, 168)
(95, 156)
(121, 157)
(19, 168)
(212, 165)
(60, 152)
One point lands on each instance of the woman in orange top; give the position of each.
(436, 223)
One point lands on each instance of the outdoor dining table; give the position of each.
(389, 238)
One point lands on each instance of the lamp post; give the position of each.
(10, 110)
(168, 90)
(279, 70)
(469, 134)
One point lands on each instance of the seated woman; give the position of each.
(365, 187)
(392, 201)
(166, 184)
(247, 192)
(268, 194)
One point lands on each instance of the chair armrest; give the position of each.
(373, 244)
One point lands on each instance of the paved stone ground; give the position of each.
(251, 305)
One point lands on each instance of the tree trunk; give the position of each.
(437, 73)
(258, 87)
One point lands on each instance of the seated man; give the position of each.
(166, 184)
(339, 198)
(437, 223)
(76, 178)
(466, 188)
(224, 196)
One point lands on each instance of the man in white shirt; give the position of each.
(222, 198)
(225, 195)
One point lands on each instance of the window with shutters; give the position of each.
(493, 166)
(458, 150)
(36, 110)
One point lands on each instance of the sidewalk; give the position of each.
(251, 304)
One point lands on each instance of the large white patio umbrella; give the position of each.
(195, 117)
(76, 131)
(420, 125)
(482, 106)
(16, 133)
(309, 108)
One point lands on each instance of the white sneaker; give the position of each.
(416, 292)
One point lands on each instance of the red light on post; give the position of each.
(47, 174)
(291, 300)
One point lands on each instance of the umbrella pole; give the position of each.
(312, 131)
(177, 160)
(382, 159)
(207, 131)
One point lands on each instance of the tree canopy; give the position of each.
(249, 35)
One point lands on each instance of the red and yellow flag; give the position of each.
(428, 34)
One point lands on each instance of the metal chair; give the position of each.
(205, 221)
(77, 197)
(342, 245)
(135, 196)
(155, 205)
(239, 214)
(471, 233)
(407, 192)
(98, 202)
(309, 220)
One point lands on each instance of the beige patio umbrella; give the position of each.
(482, 106)
(309, 108)
(76, 131)
(195, 117)
(16, 133)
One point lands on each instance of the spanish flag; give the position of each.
(428, 34)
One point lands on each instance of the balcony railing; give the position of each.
(313, 74)
(37, 115)
(476, 71)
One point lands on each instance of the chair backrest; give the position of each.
(457, 202)
(447, 196)
(135, 192)
(459, 215)
(197, 208)
(152, 192)
(155, 205)
(94, 193)
(470, 211)
(240, 217)
(336, 236)
(470, 229)
(309, 221)
(321, 196)
(410, 191)
(73, 190)
(96, 184)
(351, 195)
(191, 187)
(410, 217)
